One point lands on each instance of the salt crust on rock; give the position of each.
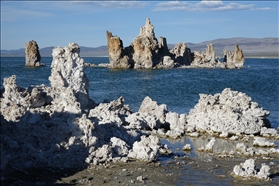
(248, 170)
(229, 111)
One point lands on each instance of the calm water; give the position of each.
(179, 89)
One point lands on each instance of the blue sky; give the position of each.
(57, 23)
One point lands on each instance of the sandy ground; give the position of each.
(175, 170)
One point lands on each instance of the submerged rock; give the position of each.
(229, 111)
(32, 54)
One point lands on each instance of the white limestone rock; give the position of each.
(143, 121)
(177, 124)
(68, 72)
(151, 107)
(187, 147)
(119, 146)
(112, 112)
(248, 170)
(269, 132)
(147, 149)
(230, 111)
(262, 142)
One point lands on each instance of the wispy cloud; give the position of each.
(265, 8)
(23, 10)
(122, 4)
(14, 13)
(204, 6)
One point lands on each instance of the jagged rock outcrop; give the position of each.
(234, 59)
(228, 111)
(181, 54)
(117, 56)
(206, 59)
(145, 46)
(32, 54)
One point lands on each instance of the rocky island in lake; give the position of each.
(146, 51)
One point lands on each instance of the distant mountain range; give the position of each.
(251, 47)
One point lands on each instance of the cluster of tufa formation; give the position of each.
(32, 54)
(147, 52)
(144, 52)
(61, 127)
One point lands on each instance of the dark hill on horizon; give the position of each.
(252, 47)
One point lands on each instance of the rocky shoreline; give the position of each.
(60, 127)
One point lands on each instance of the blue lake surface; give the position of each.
(179, 89)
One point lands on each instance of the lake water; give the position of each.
(179, 89)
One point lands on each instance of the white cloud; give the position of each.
(204, 6)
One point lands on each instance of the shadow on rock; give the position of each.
(43, 146)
